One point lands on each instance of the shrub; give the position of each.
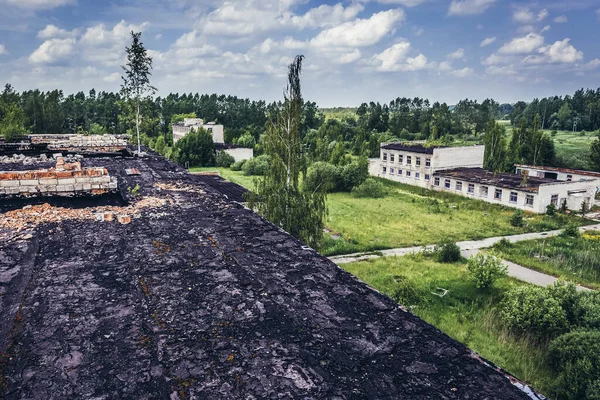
(575, 357)
(485, 269)
(322, 176)
(447, 252)
(529, 309)
(237, 166)
(585, 207)
(551, 210)
(354, 174)
(246, 140)
(590, 310)
(571, 230)
(406, 293)
(256, 166)
(224, 160)
(517, 219)
(370, 188)
(196, 149)
(563, 206)
(503, 244)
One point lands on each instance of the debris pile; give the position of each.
(66, 179)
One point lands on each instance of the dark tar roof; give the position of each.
(233, 191)
(499, 179)
(201, 298)
(565, 170)
(415, 148)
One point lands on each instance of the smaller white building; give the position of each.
(559, 174)
(183, 128)
(238, 153)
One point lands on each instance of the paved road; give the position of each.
(471, 247)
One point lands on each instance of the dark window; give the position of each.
(427, 177)
(400, 159)
(418, 161)
(428, 162)
(498, 194)
(407, 173)
(514, 196)
(384, 156)
(391, 171)
(529, 200)
(471, 188)
(436, 181)
(554, 199)
(384, 170)
(408, 160)
(459, 186)
(391, 158)
(417, 175)
(447, 183)
(483, 191)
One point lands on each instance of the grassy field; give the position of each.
(574, 259)
(411, 216)
(464, 313)
(573, 148)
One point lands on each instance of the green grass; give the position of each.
(411, 216)
(573, 259)
(574, 148)
(467, 314)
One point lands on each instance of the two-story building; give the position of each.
(460, 170)
(183, 128)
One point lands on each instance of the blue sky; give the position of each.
(356, 51)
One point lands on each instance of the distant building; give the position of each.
(460, 170)
(559, 174)
(183, 128)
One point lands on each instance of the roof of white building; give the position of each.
(557, 169)
(498, 179)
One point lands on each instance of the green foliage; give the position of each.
(177, 118)
(257, 166)
(196, 149)
(503, 244)
(590, 310)
(224, 159)
(585, 207)
(447, 252)
(551, 210)
(595, 154)
(278, 196)
(238, 165)
(495, 147)
(370, 189)
(571, 230)
(575, 357)
(11, 122)
(322, 176)
(97, 129)
(407, 293)
(354, 174)
(485, 269)
(516, 219)
(246, 140)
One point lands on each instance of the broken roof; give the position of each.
(499, 179)
(198, 297)
(411, 147)
(558, 169)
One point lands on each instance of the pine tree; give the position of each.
(278, 196)
(136, 82)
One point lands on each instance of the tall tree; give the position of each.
(495, 147)
(136, 82)
(278, 195)
(595, 154)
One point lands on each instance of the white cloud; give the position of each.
(53, 50)
(561, 19)
(114, 77)
(37, 4)
(406, 3)
(395, 59)
(560, 52)
(445, 66)
(463, 73)
(523, 45)
(523, 16)
(458, 54)
(52, 31)
(348, 58)
(327, 16)
(526, 29)
(542, 15)
(487, 41)
(469, 7)
(3, 50)
(418, 31)
(545, 29)
(360, 32)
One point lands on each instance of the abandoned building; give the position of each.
(195, 296)
(218, 133)
(557, 174)
(460, 170)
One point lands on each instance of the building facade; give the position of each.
(559, 174)
(183, 128)
(460, 170)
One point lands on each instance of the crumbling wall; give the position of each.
(64, 180)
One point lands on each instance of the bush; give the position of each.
(517, 219)
(503, 244)
(531, 310)
(447, 252)
(551, 210)
(224, 160)
(237, 166)
(256, 166)
(571, 230)
(322, 176)
(246, 140)
(196, 149)
(406, 293)
(370, 188)
(354, 174)
(575, 357)
(485, 269)
(590, 310)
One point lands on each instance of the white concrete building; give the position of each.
(238, 153)
(182, 129)
(559, 174)
(460, 170)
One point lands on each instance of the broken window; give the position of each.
(428, 162)
(529, 200)
(436, 181)
(384, 170)
(459, 186)
(399, 172)
(391, 171)
(408, 173)
(483, 191)
(554, 199)
(498, 194)
(417, 175)
(400, 159)
(392, 158)
(471, 188)
(569, 178)
(408, 160)
(447, 183)
(384, 156)
(514, 196)
(418, 161)
(427, 177)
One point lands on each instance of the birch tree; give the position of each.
(279, 197)
(136, 81)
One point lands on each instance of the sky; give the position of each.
(356, 51)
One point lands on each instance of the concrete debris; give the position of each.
(132, 171)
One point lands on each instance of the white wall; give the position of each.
(240, 154)
(575, 193)
(562, 176)
(217, 132)
(417, 173)
(458, 157)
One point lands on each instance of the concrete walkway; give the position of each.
(472, 247)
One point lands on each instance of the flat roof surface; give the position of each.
(558, 169)
(415, 148)
(500, 179)
(199, 297)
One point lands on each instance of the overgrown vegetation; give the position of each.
(485, 269)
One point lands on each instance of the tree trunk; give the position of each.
(137, 127)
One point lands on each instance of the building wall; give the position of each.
(392, 161)
(217, 132)
(240, 154)
(458, 157)
(561, 175)
(575, 193)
